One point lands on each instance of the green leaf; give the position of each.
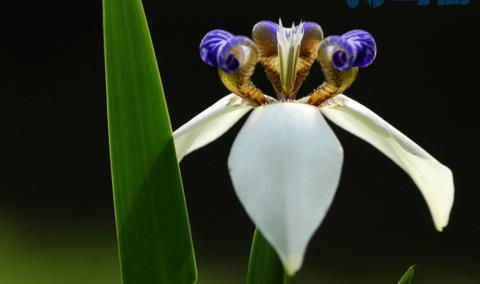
(264, 266)
(153, 232)
(408, 276)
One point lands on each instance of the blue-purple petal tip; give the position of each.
(216, 50)
(356, 48)
(211, 44)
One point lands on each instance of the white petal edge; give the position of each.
(285, 166)
(434, 180)
(210, 124)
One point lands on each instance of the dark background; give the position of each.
(56, 210)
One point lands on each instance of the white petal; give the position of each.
(285, 166)
(434, 180)
(209, 124)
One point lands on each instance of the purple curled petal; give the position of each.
(343, 55)
(210, 45)
(222, 49)
(364, 46)
(355, 48)
(234, 53)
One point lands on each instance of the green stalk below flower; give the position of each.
(264, 266)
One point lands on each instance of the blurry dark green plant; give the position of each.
(154, 238)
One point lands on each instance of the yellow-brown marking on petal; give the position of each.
(239, 82)
(335, 81)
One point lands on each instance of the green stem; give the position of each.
(264, 266)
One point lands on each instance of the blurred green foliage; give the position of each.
(87, 254)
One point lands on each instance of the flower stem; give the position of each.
(264, 266)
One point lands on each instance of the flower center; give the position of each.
(287, 55)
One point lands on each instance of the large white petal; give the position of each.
(209, 124)
(285, 165)
(434, 180)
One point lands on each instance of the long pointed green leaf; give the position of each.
(408, 276)
(264, 266)
(152, 225)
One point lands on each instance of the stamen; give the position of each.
(289, 41)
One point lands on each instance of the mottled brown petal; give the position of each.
(264, 34)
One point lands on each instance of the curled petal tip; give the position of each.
(356, 48)
(364, 44)
(236, 52)
(222, 49)
(210, 45)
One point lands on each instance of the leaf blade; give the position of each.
(153, 231)
(407, 278)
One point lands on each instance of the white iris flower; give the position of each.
(286, 161)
